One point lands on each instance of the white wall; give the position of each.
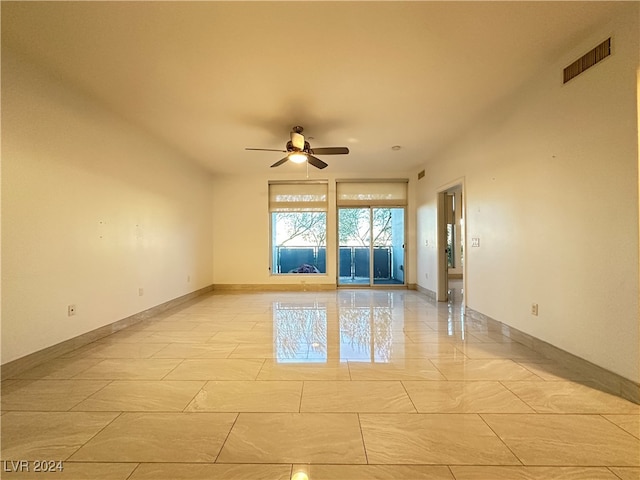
(241, 230)
(92, 210)
(551, 179)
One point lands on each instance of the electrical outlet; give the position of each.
(188, 278)
(71, 310)
(534, 309)
(140, 292)
(475, 242)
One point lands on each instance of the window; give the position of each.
(298, 227)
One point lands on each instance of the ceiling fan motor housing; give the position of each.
(292, 148)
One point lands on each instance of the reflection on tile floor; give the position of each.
(350, 384)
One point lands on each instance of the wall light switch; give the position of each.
(475, 241)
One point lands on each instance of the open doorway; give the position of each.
(451, 243)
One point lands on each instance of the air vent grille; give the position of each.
(588, 60)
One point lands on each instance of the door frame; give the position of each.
(442, 291)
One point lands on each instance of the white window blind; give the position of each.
(298, 197)
(371, 193)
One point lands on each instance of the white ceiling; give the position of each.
(211, 78)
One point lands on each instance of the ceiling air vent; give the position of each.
(588, 60)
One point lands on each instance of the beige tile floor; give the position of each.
(352, 384)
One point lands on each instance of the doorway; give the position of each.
(451, 243)
(371, 246)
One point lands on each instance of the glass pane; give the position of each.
(451, 241)
(299, 241)
(388, 245)
(354, 233)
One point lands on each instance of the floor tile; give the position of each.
(168, 326)
(395, 351)
(121, 350)
(552, 371)
(49, 435)
(532, 473)
(372, 472)
(248, 396)
(216, 369)
(503, 350)
(627, 473)
(294, 438)
(248, 350)
(159, 437)
(195, 350)
(177, 337)
(480, 336)
(129, 369)
(48, 395)
(569, 397)
(186, 471)
(441, 336)
(272, 370)
(464, 397)
(401, 369)
(78, 471)
(432, 439)
(240, 337)
(483, 369)
(429, 350)
(216, 327)
(60, 368)
(356, 396)
(585, 440)
(630, 423)
(143, 395)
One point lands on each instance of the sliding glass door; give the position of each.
(371, 231)
(371, 246)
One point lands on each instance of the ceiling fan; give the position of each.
(299, 151)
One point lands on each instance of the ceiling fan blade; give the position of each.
(316, 162)
(280, 162)
(330, 151)
(266, 149)
(297, 139)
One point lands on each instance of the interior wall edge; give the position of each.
(19, 365)
(606, 380)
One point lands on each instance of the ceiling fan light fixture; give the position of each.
(298, 150)
(298, 157)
